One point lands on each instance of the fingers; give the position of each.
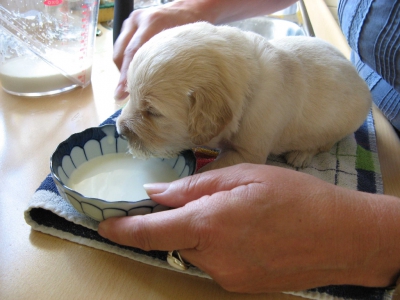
(123, 55)
(136, 30)
(128, 30)
(167, 230)
(181, 228)
(141, 25)
(182, 191)
(139, 37)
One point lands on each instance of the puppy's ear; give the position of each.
(209, 113)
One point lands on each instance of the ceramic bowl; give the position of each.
(94, 142)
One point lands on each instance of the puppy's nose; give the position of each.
(121, 129)
(122, 136)
(123, 132)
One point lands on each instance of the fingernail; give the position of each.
(156, 188)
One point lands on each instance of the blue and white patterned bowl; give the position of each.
(91, 143)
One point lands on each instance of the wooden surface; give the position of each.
(38, 266)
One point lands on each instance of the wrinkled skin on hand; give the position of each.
(257, 228)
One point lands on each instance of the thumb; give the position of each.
(165, 230)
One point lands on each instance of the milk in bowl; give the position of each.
(119, 177)
(94, 172)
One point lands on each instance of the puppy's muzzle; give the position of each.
(125, 132)
(135, 144)
(122, 136)
(122, 129)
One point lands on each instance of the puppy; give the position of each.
(223, 88)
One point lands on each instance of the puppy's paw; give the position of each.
(299, 159)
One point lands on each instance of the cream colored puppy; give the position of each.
(223, 88)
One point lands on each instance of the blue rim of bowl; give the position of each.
(187, 154)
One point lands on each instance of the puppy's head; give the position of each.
(182, 92)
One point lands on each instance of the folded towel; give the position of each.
(352, 163)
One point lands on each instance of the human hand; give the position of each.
(257, 228)
(141, 25)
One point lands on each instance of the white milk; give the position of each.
(24, 75)
(119, 177)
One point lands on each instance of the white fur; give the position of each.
(220, 87)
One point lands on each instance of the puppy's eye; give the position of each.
(153, 113)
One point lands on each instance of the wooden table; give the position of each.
(39, 266)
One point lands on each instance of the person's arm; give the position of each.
(257, 228)
(223, 11)
(142, 24)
